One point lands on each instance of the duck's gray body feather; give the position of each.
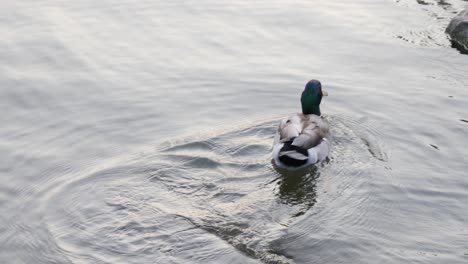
(307, 130)
(308, 134)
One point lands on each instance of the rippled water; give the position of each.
(140, 132)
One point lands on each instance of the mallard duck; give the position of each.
(301, 139)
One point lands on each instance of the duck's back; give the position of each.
(298, 135)
(306, 130)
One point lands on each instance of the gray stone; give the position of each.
(458, 30)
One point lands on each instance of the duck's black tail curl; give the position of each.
(293, 156)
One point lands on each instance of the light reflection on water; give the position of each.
(222, 194)
(141, 132)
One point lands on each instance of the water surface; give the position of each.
(141, 132)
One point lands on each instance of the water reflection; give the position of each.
(298, 188)
(87, 100)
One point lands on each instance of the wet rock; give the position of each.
(458, 31)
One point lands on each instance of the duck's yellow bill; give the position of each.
(324, 93)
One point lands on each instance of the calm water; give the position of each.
(141, 131)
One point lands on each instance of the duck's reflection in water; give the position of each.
(298, 188)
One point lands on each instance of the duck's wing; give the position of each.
(314, 129)
(290, 128)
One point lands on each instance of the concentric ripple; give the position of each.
(212, 198)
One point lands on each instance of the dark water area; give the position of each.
(141, 132)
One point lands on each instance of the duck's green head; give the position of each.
(311, 98)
